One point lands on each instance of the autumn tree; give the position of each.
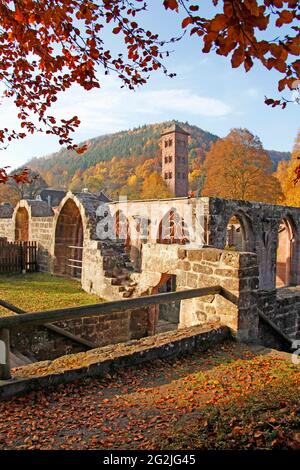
(46, 46)
(8, 195)
(237, 167)
(286, 175)
(154, 187)
(28, 189)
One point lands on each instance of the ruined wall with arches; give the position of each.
(270, 231)
(145, 242)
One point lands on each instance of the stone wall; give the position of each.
(111, 328)
(6, 229)
(109, 359)
(236, 272)
(42, 232)
(282, 306)
(260, 224)
(41, 343)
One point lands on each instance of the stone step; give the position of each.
(116, 282)
(129, 266)
(109, 274)
(127, 294)
(18, 359)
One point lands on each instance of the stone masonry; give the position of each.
(132, 266)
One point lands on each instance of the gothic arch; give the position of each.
(22, 225)
(69, 237)
(172, 229)
(239, 233)
(287, 253)
(122, 228)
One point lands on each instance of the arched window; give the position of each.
(122, 229)
(69, 241)
(22, 225)
(172, 229)
(239, 234)
(286, 263)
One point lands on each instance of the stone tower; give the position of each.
(175, 167)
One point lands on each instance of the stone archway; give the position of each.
(22, 225)
(239, 233)
(172, 229)
(286, 256)
(124, 228)
(165, 317)
(68, 241)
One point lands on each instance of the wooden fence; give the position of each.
(16, 257)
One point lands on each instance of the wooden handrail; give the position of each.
(48, 316)
(54, 328)
(45, 317)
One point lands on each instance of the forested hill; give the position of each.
(141, 142)
(277, 157)
(126, 151)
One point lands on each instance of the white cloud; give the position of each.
(112, 109)
(114, 106)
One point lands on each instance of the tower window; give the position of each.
(170, 158)
(166, 176)
(166, 143)
(166, 159)
(170, 175)
(170, 142)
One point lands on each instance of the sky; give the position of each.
(206, 92)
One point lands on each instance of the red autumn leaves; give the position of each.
(47, 46)
(236, 31)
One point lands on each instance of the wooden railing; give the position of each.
(8, 323)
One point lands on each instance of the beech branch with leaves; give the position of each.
(46, 46)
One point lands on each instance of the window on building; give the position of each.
(170, 174)
(170, 158)
(166, 159)
(166, 143)
(166, 176)
(170, 142)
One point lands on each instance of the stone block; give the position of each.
(192, 280)
(211, 254)
(181, 253)
(198, 268)
(230, 259)
(194, 255)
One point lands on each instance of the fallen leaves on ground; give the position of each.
(228, 397)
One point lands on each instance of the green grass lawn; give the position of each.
(42, 291)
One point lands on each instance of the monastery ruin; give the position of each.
(125, 249)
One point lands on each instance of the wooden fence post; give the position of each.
(5, 373)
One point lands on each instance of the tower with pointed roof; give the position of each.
(175, 167)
